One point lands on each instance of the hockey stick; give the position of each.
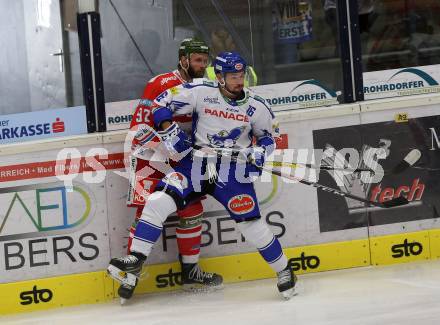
(387, 204)
(410, 159)
(322, 167)
(234, 152)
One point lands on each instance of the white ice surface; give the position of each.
(400, 294)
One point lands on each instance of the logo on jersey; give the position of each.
(241, 204)
(162, 96)
(174, 90)
(165, 80)
(224, 138)
(211, 100)
(177, 180)
(232, 109)
(145, 102)
(226, 115)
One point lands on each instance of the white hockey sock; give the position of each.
(158, 207)
(258, 233)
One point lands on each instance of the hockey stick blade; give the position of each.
(398, 201)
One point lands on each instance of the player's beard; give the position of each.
(195, 74)
(237, 93)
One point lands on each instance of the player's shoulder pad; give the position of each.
(159, 77)
(168, 79)
(175, 90)
(260, 101)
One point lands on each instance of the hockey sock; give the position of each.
(158, 207)
(258, 233)
(133, 227)
(189, 232)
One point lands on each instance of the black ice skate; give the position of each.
(195, 279)
(126, 270)
(286, 283)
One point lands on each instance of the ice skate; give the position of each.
(126, 291)
(195, 279)
(286, 283)
(126, 270)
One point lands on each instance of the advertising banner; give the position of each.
(296, 94)
(43, 124)
(402, 82)
(282, 96)
(420, 184)
(119, 114)
(49, 227)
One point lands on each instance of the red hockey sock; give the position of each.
(139, 210)
(189, 232)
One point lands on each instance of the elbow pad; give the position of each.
(161, 114)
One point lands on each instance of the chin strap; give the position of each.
(188, 77)
(223, 86)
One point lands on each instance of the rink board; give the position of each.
(251, 266)
(63, 291)
(434, 243)
(97, 287)
(89, 225)
(400, 248)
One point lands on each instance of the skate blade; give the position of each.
(122, 301)
(121, 276)
(196, 287)
(289, 293)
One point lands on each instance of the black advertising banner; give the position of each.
(420, 184)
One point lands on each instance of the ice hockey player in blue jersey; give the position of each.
(226, 118)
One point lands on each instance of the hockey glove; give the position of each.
(143, 135)
(256, 156)
(175, 140)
